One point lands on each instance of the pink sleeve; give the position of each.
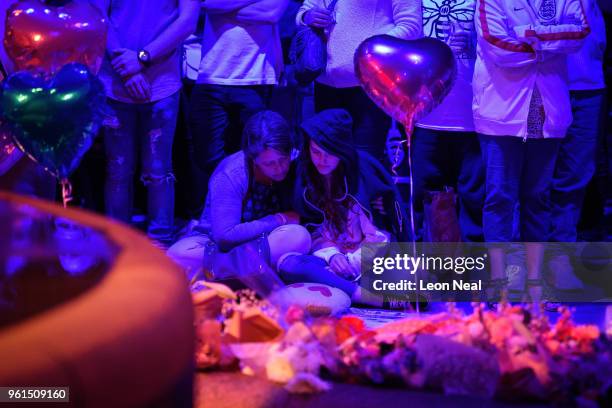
(369, 230)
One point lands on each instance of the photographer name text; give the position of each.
(408, 285)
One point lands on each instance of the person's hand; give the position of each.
(318, 17)
(138, 87)
(292, 217)
(125, 62)
(340, 265)
(378, 205)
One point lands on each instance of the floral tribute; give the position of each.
(510, 353)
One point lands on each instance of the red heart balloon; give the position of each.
(405, 78)
(43, 38)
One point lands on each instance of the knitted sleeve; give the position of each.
(307, 5)
(408, 19)
(226, 198)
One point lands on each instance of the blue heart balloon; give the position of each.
(54, 122)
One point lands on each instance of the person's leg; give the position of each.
(470, 185)
(248, 100)
(574, 168)
(309, 268)
(602, 179)
(189, 253)
(194, 189)
(326, 97)
(158, 125)
(288, 239)
(427, 156)
(294, 268)
(208, 122)
(575, 164)
(533, 259)
(535, 187)
(502, 160)
(535, 208)
(120, 135)
(370, 123)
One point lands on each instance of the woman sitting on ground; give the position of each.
(249, 197)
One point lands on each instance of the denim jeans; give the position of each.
(576, 163)
(370, 123)
(145, 131)
(216, 118)
(309, 268)
(517, 171)
(452, 159)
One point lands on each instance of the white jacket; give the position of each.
(357, 20)
(523, 44)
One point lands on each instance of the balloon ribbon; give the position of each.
(408, 128)
(66, 191)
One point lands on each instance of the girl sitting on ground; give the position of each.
(347, 198)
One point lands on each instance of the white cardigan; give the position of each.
(357, 20)
(523, 44)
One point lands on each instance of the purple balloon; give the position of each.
(405, 78)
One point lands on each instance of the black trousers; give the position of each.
(370, 123)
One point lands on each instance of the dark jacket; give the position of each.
(373, 181)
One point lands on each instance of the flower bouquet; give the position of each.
(510, 353)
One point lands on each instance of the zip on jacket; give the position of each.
(523, 44)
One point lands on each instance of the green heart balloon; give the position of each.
(54, 122)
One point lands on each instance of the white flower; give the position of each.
(279, 369)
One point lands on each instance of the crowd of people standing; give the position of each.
(519, 137)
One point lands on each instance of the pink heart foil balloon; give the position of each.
(42, 38)
(405, 78)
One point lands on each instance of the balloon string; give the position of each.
(394, 167)
(397, 153)
(66, 192)
(396, 158)
(411, 210)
